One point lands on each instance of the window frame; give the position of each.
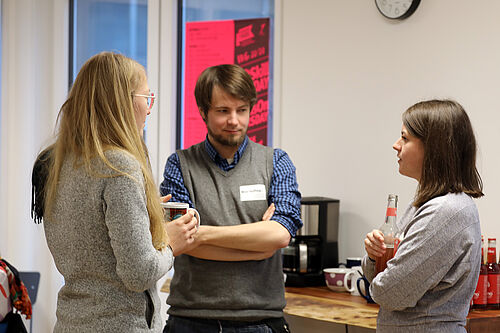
(274, 97)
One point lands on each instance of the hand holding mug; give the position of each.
(181, 233)
(174, 210)
(181, 225)
(374, 244)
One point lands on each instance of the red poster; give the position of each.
(242, 42)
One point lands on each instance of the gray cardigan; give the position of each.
(428, 285)
(100, 240)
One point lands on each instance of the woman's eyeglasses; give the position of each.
(150, 99)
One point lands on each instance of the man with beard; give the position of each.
(248, 197)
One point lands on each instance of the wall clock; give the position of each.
(397, 9)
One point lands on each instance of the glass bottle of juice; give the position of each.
(493, 275)
(480, 298)
(390, 232)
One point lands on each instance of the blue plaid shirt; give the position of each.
(284, 190)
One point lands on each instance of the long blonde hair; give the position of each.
(99, 116)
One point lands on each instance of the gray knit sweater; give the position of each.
(100, 240)
(428, 285)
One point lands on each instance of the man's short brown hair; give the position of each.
(233, 79)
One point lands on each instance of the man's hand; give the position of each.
(269, 212)
(374, 244)
(166, 198)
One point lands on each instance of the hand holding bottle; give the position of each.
(381, 245)
(374, 244)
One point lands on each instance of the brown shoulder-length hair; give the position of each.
(233, 79)
(449, 164)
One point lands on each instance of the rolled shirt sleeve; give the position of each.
(173, 183)
(284, 192)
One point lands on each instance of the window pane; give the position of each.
(218, 18)
(108, 25)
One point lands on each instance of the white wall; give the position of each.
(34, 85)
(347, 76)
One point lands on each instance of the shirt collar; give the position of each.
(222, 162)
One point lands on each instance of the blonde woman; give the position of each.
(101, 209)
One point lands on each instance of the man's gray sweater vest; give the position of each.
(244, 290)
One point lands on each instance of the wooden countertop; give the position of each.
(483, 321)
(321, 303)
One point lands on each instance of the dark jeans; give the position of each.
(195, 325)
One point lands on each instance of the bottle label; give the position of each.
(493, 288)
(492, 254)
(396, 244)
(390, 211)
(480, 295)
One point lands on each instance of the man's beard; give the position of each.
(231, 141)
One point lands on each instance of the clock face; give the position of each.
(397, 9)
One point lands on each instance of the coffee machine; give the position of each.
(316, 244)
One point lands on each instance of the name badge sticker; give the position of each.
(253, 192)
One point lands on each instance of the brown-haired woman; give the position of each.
(428, 285)
(101, 209)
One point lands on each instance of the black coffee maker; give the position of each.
(316, 244)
